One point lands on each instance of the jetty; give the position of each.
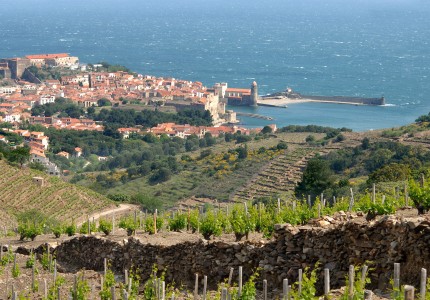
(282, 99)
(256, 116)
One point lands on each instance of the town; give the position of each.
(37, 80)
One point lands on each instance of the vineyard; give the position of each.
(141, 279)
(55, 198)
(37, 276)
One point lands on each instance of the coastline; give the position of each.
(284, 102)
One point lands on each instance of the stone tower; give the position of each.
(254, 94)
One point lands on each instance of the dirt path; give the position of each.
(121, 209)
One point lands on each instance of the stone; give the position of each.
(323, 223)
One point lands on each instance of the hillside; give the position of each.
(64, 201)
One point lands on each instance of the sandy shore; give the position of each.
(283, 102)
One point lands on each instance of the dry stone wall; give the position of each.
(333, 242)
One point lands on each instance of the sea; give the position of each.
(368, 48)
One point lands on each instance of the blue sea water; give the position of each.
(364, 48)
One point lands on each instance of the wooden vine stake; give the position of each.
(230, 276)
(406, 195)
(89, 224)
(240, 281)
(75, 285)
(1, 252)
(285, 289)
(55, 270)
(351, 275)
(163, 290)
(33, 282)
(409, 292)
(423, 282)
(364, 274)
(326, 282)
(396, 284)
(264, 289)
(155, 221)
(205, 286)
(300, 281)
(196, 287)
(45, 288)
(224, 294)
(351, 201)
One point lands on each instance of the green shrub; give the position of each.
(105, 226)
(58, 230)
(128, 224)
(194, 220)
(241, 222)
(420, 196)
(29, 230)
(31, 224)
(149, 224)
(15, 271)
(178, 222)
(82, 289)
(30, 261)
(308, 285)
(359, 285)
(84, 227)
(210, 225)
(109, 281)
(71, 229)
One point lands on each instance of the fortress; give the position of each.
(237, 96)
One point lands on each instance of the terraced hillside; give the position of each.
(55, 198)
(280, 176)
(6, 221)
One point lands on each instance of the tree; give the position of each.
(242, 152)
(365, 143)
(104, 102)
(310, 139)
(160, 175)
(20, 155)
(316, 178)
(391, 172)
(37, 166)
(379, 158)
(147, 202)
(266, 129)
(282, 145)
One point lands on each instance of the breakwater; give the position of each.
(256, 116)
(291, 97)
(347, 100)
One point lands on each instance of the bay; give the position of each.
(354, 48)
